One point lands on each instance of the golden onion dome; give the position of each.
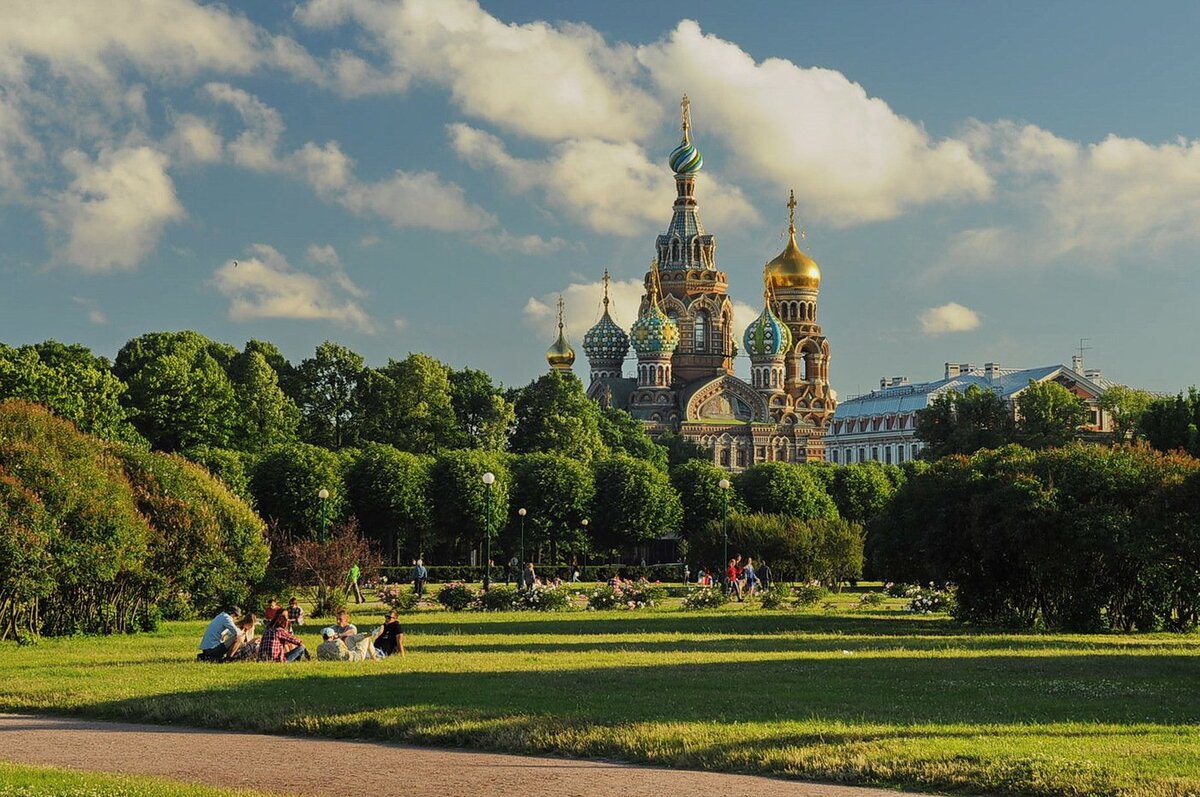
(560, 355)
(792, 268)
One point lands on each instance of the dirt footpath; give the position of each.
(336, 768)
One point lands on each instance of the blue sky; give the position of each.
(979, 182)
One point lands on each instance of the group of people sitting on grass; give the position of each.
(745, 579)
(233, 637)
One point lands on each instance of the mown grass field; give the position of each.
(17, 780)
(834, 694)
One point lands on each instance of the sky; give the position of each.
(980, 182)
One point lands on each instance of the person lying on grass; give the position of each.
(221, 638)
(356, 647)
(279, 644)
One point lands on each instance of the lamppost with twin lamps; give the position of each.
(521, 556)
(489, 479)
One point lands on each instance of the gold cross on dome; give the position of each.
(791, 206)
(685, 111)
(560, 313)
(606, 289)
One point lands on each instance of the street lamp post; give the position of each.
(584, 523)
(323, 494)
(724, 485)
(521, 557)
(488, 479)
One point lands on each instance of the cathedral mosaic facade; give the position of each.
(685, 344)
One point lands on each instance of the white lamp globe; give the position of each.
(489, 477)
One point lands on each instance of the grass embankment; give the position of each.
(17, 780)
(869, 698)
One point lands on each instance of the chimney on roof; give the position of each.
(1077, 364)
(1093, 374)
(991, 371)
(894, 381)
(957, 369)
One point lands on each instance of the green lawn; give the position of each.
(22, 781)
(837, 694)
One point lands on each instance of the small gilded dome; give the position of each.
(654, 332)
(606, 341)
(767, 336)
(792, 268)
(560, 355)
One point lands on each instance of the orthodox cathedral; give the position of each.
(685, 344)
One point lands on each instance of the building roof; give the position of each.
(1004, 382)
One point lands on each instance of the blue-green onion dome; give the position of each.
(655, 332)
(767, 336)
(686, 159)
(606, 341)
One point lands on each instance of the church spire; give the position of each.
(560, 355)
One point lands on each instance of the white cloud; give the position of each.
(90, 42)
(1092, 204)
(950, 317)
(255, 147)
(521, 244)
(583, 303)
(195, 140)
(848, 155)
(264, 285)
(417, 199)
(611, 187)
(114, 211)
(94, 313)
(399, 324)
(327, 256)
(537, 79)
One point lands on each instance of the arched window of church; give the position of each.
(725, 457)
(700, 331)
(741, 458)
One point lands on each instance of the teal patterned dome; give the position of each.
(686, 159)
(767, 336)
(655, 332)
(606, 341)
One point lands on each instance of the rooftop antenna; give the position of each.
(1083, 348)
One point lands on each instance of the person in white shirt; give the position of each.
(221, 639)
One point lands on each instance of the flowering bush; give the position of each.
(773, 598)
(500, 598)
(895, 590)
(927, 600)
(603, 597)
(809, 594)
(394, 596)
(551, 599)
(456, 596)
(705, 598)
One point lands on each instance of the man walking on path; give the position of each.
(353, 577)
(419, 575)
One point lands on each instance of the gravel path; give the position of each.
(321, 766)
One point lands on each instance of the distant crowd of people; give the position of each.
(231, 637)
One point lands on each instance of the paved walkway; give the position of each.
(321, 766)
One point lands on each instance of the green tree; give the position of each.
(485, 417)
(179, 392)
(1049, 415)
(701, 497)
(621, 432)
(389, 492)
(553, 414)
(227, 465)
(782, 488)
(1171, 423)
(287, 482)
(556, 492)
(680, 449)
(265, 416)
(862, 490)
(459, 499)
(285, 372)
(26, 569)
(1125, 406)
(407, 404)
(838, 551)
(962, 423)
(73, 383)
(327, 386)
(634, 502)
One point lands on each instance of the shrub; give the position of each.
(705, 598)
(640, 594)
(871, 599)
(928, 600)
(552, 599)
(400, 598)
(456, 596)
(773, 598)
(809, 594)
(320, 569)
(286, 484)
(499, 598)
(603, 597)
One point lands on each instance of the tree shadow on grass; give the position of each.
(979, 690)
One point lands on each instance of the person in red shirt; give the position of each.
(273, 608)
(274, 642)
(733, 579)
